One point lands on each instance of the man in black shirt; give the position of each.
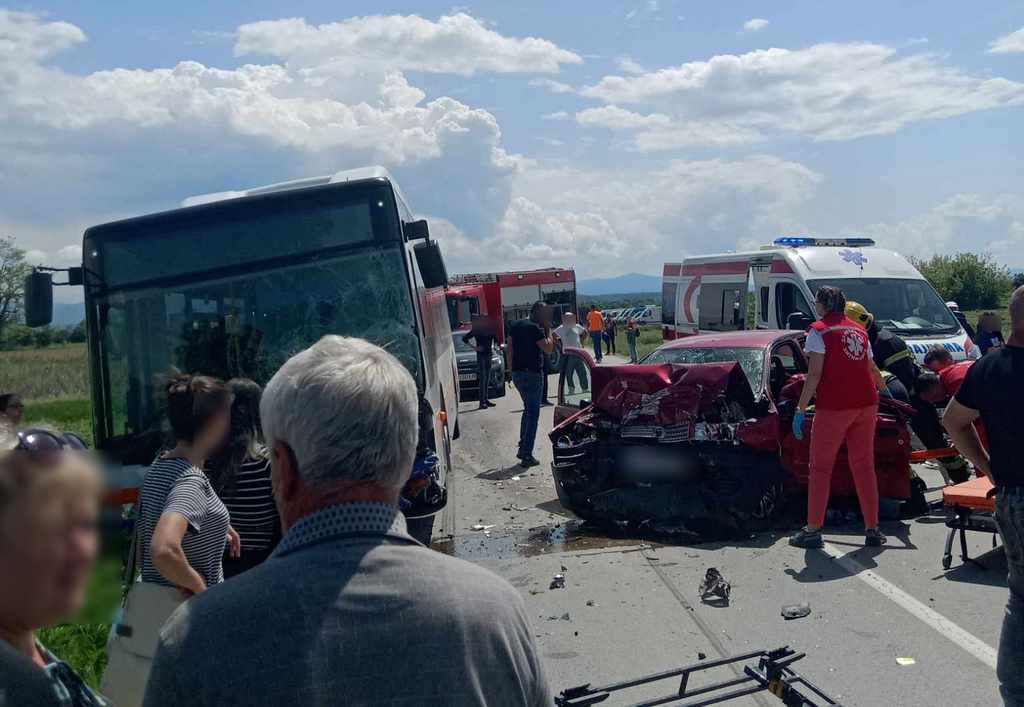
(529, 341)
(994, 390)
(482, 334)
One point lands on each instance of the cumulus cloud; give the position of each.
(629, 65)
(612, 221)
(755, 25)
(552, 85)
(453, 44)
(825, 92)
(557, 115)
(129, 138)
(1008, 44)
(963, 222)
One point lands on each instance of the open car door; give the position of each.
(575, 383)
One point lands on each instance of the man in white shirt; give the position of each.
(572, 335)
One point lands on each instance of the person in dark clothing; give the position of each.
(990, 332)
(482, 334)
(610, 331)
(530, 341)
(892, 354)
(993, 389)
(240, 474)
(960, 317)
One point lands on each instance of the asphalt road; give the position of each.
(630, 606)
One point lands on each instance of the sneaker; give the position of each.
(807, 539)
(490, 404)
(873, 538)
(483, 406)
(528, 461)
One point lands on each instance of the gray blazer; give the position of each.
(354, 619)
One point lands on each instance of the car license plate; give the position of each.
(467, 376)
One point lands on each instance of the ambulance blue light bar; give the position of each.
(797, 241)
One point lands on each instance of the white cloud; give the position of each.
(453, 44)
(629, 65)
(826, 92)
(612, 221)
(963, 222)
(616, 118)
(552, 85)
(755, 25)
(36, 257)
(1008, 44)
(914, 41)
(557, 115)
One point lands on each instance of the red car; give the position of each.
(697, 437)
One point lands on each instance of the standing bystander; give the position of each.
(530, 341)
(595, 326)
(570, 335)
(482, 334)
(632, 334)
(993, 390)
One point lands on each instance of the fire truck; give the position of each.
(508, 296)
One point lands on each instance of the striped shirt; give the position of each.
(174, 485)
(251, 504)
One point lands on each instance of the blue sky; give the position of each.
(606, 136)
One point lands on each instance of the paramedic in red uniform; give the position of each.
(844, 382)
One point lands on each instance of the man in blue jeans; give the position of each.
(994, 390)
(530, 341)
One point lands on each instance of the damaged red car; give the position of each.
(697, 439)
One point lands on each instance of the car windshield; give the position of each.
(751, 360)
(460, 345)
(903, 306)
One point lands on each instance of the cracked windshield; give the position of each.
(640, 352)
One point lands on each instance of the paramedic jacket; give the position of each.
(892, 354)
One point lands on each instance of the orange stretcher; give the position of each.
(971, 506)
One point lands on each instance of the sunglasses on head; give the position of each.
(44, 441)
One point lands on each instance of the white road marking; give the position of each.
(957, 635)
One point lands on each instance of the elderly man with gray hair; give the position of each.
(349, 609)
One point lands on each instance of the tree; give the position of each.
(972, 281)
(42, 337)
(76, 335)
(1018, 279)
(13, 271)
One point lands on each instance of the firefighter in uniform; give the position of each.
(893, 357)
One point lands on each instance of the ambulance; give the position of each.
(773, 288)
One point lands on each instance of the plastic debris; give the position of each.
(480, 526)
(795, 611)
(514, 478)
(905, 660)
(591, 602)
(701, 655)
(714, 585)
(558, 582)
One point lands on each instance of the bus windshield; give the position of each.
(903, 306)
(243, 324)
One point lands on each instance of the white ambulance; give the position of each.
(773, 288)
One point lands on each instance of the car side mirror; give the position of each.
(431, 263)
(38, 299)
(798, 321)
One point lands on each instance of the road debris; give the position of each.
(563, 617)
(714, 586)
(591, 602)
(701, 655)
(905, 660)
(795, 611)
(558, 582)
(480, 526)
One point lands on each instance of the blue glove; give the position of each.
(798, 424)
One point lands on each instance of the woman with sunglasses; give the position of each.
(182, 529)
(49, 501)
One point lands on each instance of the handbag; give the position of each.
(135, 632)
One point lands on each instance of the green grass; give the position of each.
(45, 374)
(82, 642)
(73, 415)
(650, 339)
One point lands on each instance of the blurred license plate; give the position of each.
(467, 376)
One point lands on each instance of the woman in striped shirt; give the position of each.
(241, 474)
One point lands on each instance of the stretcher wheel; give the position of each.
(946, 562)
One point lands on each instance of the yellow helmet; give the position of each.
(860, 316)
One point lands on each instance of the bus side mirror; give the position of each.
(38, 299)
(798, 321)
(432, 269)
(416, 230)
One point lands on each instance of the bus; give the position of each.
(235, 283)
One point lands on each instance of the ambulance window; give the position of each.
(763, 312)
(789, 299)
(668, 303)
(721, 307)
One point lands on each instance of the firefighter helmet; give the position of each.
(859, 314)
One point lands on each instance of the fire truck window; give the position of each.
(668, 303)
(789, 299)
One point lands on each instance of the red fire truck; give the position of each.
(508, 296)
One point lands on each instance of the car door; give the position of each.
(575, 381)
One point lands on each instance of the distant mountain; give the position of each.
(623, 284)
(68, 313)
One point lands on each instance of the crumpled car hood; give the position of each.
(668, 395)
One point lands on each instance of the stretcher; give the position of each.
(971, 506)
